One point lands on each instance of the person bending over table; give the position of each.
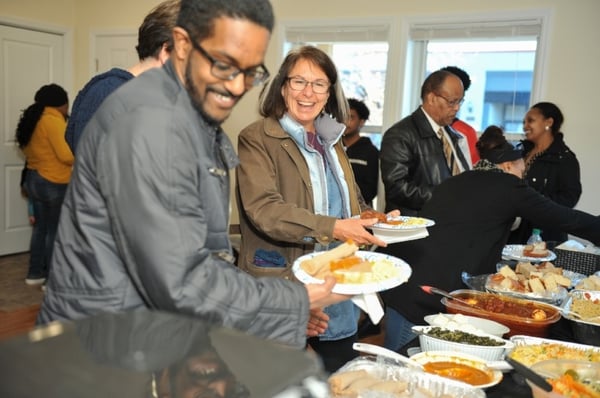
(473, 213)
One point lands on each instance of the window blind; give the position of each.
(476, 30)
(319, 34)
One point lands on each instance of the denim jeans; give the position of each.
(398, 330)
(47, 198)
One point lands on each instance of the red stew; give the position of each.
(497, 305)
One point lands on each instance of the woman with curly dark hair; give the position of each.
(551, 167)
(41, 136)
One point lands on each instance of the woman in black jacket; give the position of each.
(551, 168)
(473, 212)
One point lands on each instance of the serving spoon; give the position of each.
(435, 290)
(565, 312)
(384, 352)
(529, 374)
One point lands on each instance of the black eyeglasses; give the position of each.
(453, 103)
(318, 86)
(254, 76)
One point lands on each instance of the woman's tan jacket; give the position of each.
(275, 198)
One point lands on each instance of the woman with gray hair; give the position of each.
(295, 187)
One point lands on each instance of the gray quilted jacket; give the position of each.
(145, 221)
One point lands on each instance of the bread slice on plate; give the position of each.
(536, 250)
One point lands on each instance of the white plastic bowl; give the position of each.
(488, 353)
(469, 360)
(481, 324)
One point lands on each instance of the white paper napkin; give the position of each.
(370, 304)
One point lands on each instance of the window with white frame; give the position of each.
(501, 56)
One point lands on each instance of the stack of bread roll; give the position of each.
(529, 278)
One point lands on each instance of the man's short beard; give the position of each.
(193, 94)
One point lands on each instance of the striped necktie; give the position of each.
(449, 153)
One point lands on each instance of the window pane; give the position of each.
(501, 75)
(362, 68)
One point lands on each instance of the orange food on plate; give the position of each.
(381, 217)
(345, 263)
(569, 387)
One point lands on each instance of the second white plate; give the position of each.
(515, 252)
(404, 272)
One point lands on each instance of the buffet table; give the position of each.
(513, 385)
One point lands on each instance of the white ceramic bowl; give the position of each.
(465, 359)
(488, 353)
(469, 322)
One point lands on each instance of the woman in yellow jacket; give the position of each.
(49, 160)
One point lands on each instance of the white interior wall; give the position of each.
(569, 76)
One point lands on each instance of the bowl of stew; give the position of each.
(459, 366)
(521, 316)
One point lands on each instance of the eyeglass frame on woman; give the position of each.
(451, 104)
(305, 83)
(253, 76)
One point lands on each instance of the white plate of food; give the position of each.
(385, 273)
(515, 252)
(403, 223)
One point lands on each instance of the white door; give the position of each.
(29, 60)
(115, 50)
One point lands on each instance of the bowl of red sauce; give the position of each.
(521, 316)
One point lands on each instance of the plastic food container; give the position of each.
(584, 332)
(455, 320)
(418, 384)
(588, 373)
(517, 324)
(488, 353)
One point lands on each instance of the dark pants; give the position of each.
(47, 200)
(335, 353)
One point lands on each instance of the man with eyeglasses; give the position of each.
(460, 126)
(422, 150)
(145, 220)
(417, 154)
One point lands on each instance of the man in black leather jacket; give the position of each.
(412, 158)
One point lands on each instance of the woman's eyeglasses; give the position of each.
(299, 84)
